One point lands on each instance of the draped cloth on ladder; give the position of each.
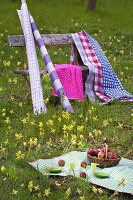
(34, 73)
(111, 84)
(102, 81)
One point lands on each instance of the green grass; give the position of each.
(111, 25)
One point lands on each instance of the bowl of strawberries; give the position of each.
(104, 157)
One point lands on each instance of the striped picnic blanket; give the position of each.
(123, 171)
(103, 80)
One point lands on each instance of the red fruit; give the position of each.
(115, 155)
(110, 155)
(101, 154)
(61, 163)
(83, 174)
(97, 151)
(91, 152)
(83, 164)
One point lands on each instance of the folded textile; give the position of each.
(71, 79)
(122, 172)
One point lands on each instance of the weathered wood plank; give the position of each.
(85, 72)
(25, 72)
(49, 39)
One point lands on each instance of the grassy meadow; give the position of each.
(25, 137)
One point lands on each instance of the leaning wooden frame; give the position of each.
(49, 40)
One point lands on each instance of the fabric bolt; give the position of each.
(110, 82)
(71, 79)
(89, 56)
(50, 68)
(34, 73)
(124, 170)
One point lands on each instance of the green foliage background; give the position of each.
(25, 137)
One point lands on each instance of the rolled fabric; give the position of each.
(34, 73)
(50, 68)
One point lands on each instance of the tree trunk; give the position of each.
(91, 5)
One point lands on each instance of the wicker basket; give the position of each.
(103, 163)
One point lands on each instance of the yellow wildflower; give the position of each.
(20, 104)
(24, 120)
(82, 197)
(18, 136)
(39, 194)
(19, 155)
(15, 81)
(49, 142)
(18, 63)
(95, 118)
(90, 135)
(97, 132)
(7, 120)
(24, 144)
(36, 187)
(120, 125)
(7, 63)
(33, 141)
(22, 185)
(100, 191)
(68, 191)
(3, 168)
(14, 192)
(32, 123)
(105, 123)
(57, 184)
(59, 119)
(66, 115)
(6, 142)
(76, 24)
(40, 124)
(50, 122)
(78, 191)
(81, 136)
(53, 130)
(41, 130)
(94, 189)
(47, 192)
(80, 128)
(46, 100)
(30, 186)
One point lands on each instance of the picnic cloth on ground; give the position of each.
(122, 171)
(50, 68)
(34, 73)
(106, 84)
(71, 79)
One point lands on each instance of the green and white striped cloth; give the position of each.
(123, 171)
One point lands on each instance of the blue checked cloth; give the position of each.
(111, 84)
